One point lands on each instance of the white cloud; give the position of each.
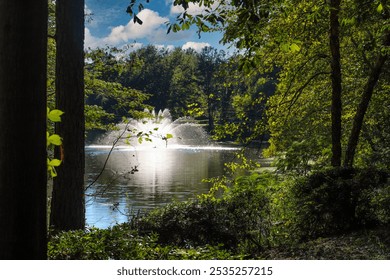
(92, 42)
(87, 10)
(153, 30)
(193, 9)
(195, 46)
(151, 25)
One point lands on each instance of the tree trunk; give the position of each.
(336, 106)
(23, 166)
(68, 205)
(210, 114)
(363, 105)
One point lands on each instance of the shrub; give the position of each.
(338, 200)
(115, 243)
(240, 216)
(119, 242)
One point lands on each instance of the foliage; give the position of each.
(339, 200)
(205, 86)
(301, 157)
(107, 100)
(260, 215)
(53, 140)
(292, 37)
(366, 244)
(239, 219)
(120, 242)
(264, 210)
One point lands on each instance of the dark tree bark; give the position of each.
(23, 166)
(363, 105)
(68, 206)
(334, 41)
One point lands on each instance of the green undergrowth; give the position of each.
(330, 214)
(121, 242)
(364, 244)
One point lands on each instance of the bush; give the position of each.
(257, 212)
(339, 200)
(119, 242)
(240, 217)
(115, 243)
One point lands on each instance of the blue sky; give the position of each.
(110, 25)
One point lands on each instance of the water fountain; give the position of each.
(168, 164)
(157, 131)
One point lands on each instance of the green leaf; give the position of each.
(169, 136)
(285, 47)
(54, 162)
(380, 8)
(55, 139)
(294, 47)
(55, 115)
(53, 172)
(175, 28)
(186, 26)
(205, 28)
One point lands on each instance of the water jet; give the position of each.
(157, 131)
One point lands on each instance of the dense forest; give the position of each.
(309, 81)
(205, 86)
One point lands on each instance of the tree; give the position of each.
(209, 64)
(368, 91)
(311, 42)
(184, 85)
(146, 70)
(68, 204)
(23, 170)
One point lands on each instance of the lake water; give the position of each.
(142, 178)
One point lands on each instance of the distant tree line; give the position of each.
(207, 86)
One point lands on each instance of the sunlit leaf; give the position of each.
(54, 162)
(294, 47)
(55, 140)
(169, 136)
(53, 172)
(285, 47)
(380, 8)
(55, 115)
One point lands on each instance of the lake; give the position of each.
(143, 178)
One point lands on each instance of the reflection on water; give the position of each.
(143, 178)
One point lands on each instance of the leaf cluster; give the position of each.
(258, 215)
(238, 219)
(339, 200)
(53, 140)
(122, 243)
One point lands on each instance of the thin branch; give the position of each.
(296, 73)
(108, 156)
(298, 93)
